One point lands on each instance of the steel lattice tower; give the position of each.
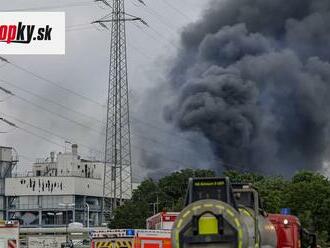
(118, 170)
(117, 184)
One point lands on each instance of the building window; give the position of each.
(27, 202)
(54, 201)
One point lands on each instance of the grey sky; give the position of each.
(84, 69)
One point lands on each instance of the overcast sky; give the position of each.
(84, 69)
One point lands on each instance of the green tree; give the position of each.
(175, 185)
(168, 193)
(238, 177)
(131, 215)
(271, 189)
(307, 194)
(272, 193)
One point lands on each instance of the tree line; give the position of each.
(307, 194)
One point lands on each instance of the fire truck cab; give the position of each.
(287, 229)
(290, 233)
(162, 221)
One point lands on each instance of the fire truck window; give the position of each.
(245, 199)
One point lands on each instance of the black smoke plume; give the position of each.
(253, 77)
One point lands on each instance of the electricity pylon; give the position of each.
(117, 184)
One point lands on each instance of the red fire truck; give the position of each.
(217, 214)
(221, 214)
(290, 232)
(162, 221)
(131, 238)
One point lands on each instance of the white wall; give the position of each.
(53, 186)
(66, 163)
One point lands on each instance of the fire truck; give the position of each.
(217, 214)
(129, 238)
(221, 214)
(162, 221)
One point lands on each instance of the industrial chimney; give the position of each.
(52, 157)
(75, 149)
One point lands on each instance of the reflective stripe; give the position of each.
(180, 223)
(177, 239)
(185, 214)
(123, 244)
(245, 212)
(237, 222)
(220, 207)
(196, 208)
(231, 213)
(12, 243)
(103, 244)
(114, 244)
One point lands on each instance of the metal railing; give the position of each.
(91, 207)
(53, 207)
(24, 207)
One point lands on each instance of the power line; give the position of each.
(135, 48)
(151, 36)
(50, 101)
(44, 79)
(80, 113)
(142, 53)
(77, 94)
(49, 132)
(98, 132)
(90, 100)
(159, 155)
(160, 18)
(27, 131)
(57, 114)
(83, 125)
(40, 137)
(164, 37)
(154, 126)
(78, 123)
(176, 10)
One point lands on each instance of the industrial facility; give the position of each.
(225, 94)
(61, 188)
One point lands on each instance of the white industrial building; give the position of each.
(58, 186)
